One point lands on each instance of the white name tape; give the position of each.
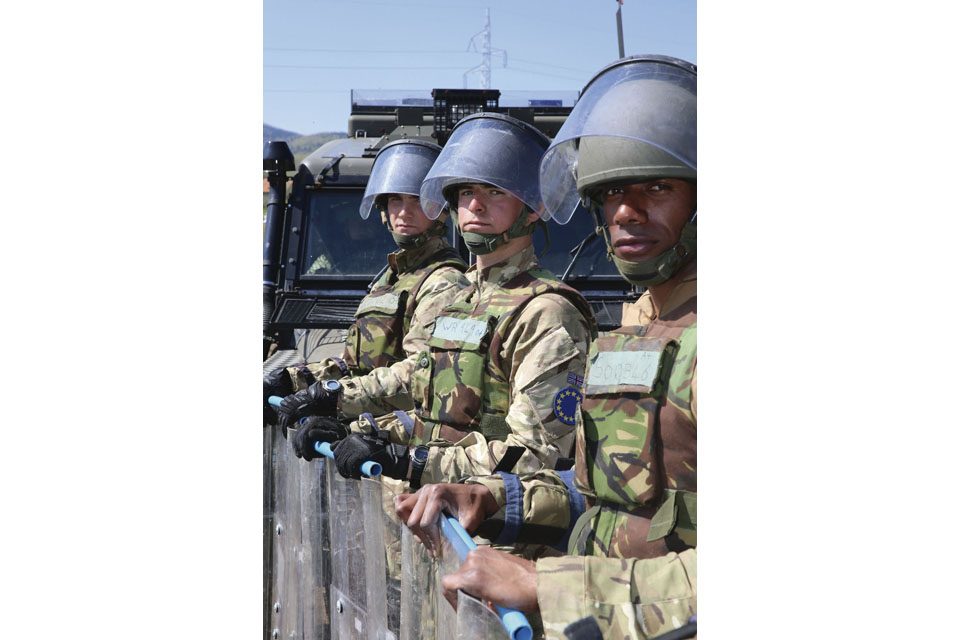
(461, 330)
(385, 302)
(624, 367)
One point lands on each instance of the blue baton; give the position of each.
(369, 468)
(516, 623)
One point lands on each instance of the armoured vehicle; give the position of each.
(320, 258)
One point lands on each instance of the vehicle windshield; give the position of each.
(339, 242)
(592, 262)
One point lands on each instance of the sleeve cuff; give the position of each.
(577, 506)
(513, 514)
(406, 421)
(494, 484)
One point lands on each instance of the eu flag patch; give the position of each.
(565, 405)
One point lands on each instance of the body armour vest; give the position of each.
(636, 452)
(461, 381)
(375, 339)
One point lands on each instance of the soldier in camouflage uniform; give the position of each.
(499, 356)
(421, 278)
(628, 512)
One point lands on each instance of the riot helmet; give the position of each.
(635, 121)
(492, 149)
(399, 168)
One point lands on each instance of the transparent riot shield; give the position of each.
(418, 609)
(348, 597)
(477, 621)
(296, 548)
(269, 522)
(448, 562)
(296, 545)
(314, 566)
(284, 539)
(382, 530)
(426, 613)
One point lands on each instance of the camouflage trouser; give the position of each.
(629, 598)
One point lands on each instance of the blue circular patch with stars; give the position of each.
(565, 405)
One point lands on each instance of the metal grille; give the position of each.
(452, 105)
(293, 311)
(333, 311)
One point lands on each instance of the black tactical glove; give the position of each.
(313, 430)
(355, 449)
(315, 400)
(275, 383)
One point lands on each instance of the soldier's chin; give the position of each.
(638, 253)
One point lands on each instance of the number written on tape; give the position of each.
(624, 367)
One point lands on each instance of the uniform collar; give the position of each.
(407, 260)
(499, 274)
(641, 311)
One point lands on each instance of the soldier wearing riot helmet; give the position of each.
(493, 388)
(420, 279)
(627, 512)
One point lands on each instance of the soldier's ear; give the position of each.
(532, 217)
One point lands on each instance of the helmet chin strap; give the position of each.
(483, 243)
(657, 269)
(436, 230)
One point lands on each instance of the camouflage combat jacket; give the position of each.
(416, 284)
(497, 359)
(637, 435)
(635, 476)
(628, 597)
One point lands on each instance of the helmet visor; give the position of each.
(491, 149)
(650, 101)
(399, 168)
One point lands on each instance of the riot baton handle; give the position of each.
(516, 623)
(369, 468)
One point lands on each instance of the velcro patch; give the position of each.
(565, 405)
(459, 329)
(610, 368)
(385, 302)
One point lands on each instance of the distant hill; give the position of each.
(300, 145)
(274, 133)
(306, 145)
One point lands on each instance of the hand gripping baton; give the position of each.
(369, 468)
(516, 623)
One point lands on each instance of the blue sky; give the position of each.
(315, 51)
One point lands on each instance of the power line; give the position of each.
(445, 5)
(540, 20)
(349, 68)
(541, 73)
(304, 90)
(554, 66)
(417, 51)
